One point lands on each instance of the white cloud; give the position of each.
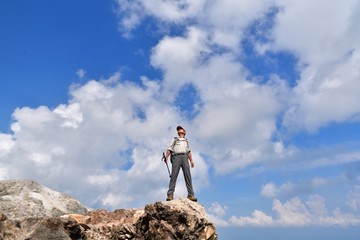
(326, 94)
(6, 144)
(217, 209)
(4, 173)
(295, 213)
(223, 84)
(105, 179)
(216, 212)
(237, 115)
(322, 157)
(116, 200)
(271, 190)
(353, 198)
(317, 206)
(228, 19)
(131, 13)
(318, 32)
(258, 218)
(97, 147)
(71, 114)
(173, 11)
(301, 159)
(292, 213)
(327, 89)
(81, 73)
(225, 20)
(178, 57)
(326, 43)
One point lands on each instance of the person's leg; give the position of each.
(176, 164)
(187, 175)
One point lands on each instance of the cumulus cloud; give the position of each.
(97, 147)
(271, 190)
(6, 144)
(328, 54)
(327, 41)
(178, 57)
(296, 213)
(224, 20)
(216, 212)
(131, 13)
(326, 94)
(258, 218)
(248, 110)
(228, 20)
(326, 91)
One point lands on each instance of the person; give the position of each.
(180, 153)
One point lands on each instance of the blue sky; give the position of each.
(91, 93)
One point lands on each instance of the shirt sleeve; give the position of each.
(171, 147)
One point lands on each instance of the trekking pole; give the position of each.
(167, 166)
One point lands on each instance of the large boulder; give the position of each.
(21, 199)
(40, 229)
(178, 219)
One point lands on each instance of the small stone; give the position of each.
(3, 217)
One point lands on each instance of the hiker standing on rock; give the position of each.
(180, 156)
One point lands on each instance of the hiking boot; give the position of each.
(169, 197)
(192, 198)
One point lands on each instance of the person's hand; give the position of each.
(192, 164)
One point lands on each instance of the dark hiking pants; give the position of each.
(180, 161)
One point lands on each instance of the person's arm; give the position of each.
(191, 160)
(168, 152)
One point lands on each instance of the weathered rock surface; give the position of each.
(178, 219)
(40, 229)
(25, 198)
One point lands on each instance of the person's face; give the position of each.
(181, 132)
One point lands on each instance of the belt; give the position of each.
(177, 154)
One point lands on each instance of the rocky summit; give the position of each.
(177, 219)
